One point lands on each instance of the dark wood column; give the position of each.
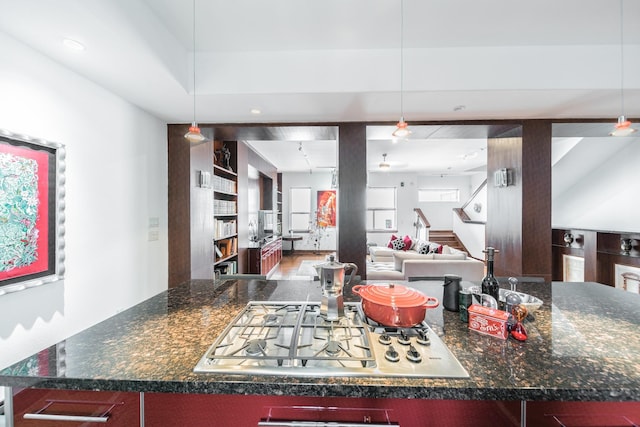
(179, 221)
(352, 178)
(536, 199)
(519, 216)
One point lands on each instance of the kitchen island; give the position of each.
(584, 345)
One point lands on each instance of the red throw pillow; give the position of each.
(407, 243)
(396, 243)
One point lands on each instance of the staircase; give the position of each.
(446, 237)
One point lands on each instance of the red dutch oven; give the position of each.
(393, 304)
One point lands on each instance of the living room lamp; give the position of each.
(402, 131)
(194, 134)
(623, 127)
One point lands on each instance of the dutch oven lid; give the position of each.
(392, 294)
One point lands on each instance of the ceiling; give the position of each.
(305, 61)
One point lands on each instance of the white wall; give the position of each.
(116, 181)
(407, 199)
(473, 236)
(316, 181)
(607, 198)
(439, 213)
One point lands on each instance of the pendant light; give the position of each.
(623, 127)
(383, 164)
(194, 134)
(402, 131)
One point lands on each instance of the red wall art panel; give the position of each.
(327, 209)
(28, 219)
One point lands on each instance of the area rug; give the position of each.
(307, 268)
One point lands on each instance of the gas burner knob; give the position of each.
(423, 337)
(413, 355)
(384, 339)
(403, 338)
(391, 354)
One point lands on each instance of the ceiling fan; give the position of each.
(385, 164)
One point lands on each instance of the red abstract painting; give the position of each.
(327, 208)
(24, 211)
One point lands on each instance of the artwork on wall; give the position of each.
(627, 278)
(327, 209)
(31, 212)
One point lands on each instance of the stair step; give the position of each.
(446, 237)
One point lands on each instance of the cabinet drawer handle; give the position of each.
(102, 418)
(74, 418)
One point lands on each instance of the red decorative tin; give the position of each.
(488, 321)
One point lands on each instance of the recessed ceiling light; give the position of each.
(256, 111)
(73, 44)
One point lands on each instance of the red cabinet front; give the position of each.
(235, 410)
(55, 408)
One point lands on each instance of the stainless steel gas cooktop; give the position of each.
(292, 338)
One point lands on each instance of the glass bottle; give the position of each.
(490, 283)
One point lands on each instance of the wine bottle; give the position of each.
(490, 283)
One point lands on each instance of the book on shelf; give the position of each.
(228, 267)
(224, 228)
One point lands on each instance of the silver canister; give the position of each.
(464, 303)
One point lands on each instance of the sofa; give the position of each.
(399, 264)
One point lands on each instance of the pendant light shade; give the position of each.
(623, 127)
(194, 134)
(402, 130)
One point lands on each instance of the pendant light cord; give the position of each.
(402, 59)
(194, 61)
(622, 56)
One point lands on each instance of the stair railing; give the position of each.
(421, 224)
(462, 214)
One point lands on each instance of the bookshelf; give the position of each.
(278, 225)
(225, 207)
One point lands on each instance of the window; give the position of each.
(299, 208)
(438, 195)
(381, 209)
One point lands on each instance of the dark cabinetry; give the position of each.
(600, 250)
(265, 257)
(53, 408)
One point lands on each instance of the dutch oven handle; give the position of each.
(356, 289)
(433, 300)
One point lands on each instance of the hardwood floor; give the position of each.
(288, 267)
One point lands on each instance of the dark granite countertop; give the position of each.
(583, 345)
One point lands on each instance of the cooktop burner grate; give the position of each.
(292, 338)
